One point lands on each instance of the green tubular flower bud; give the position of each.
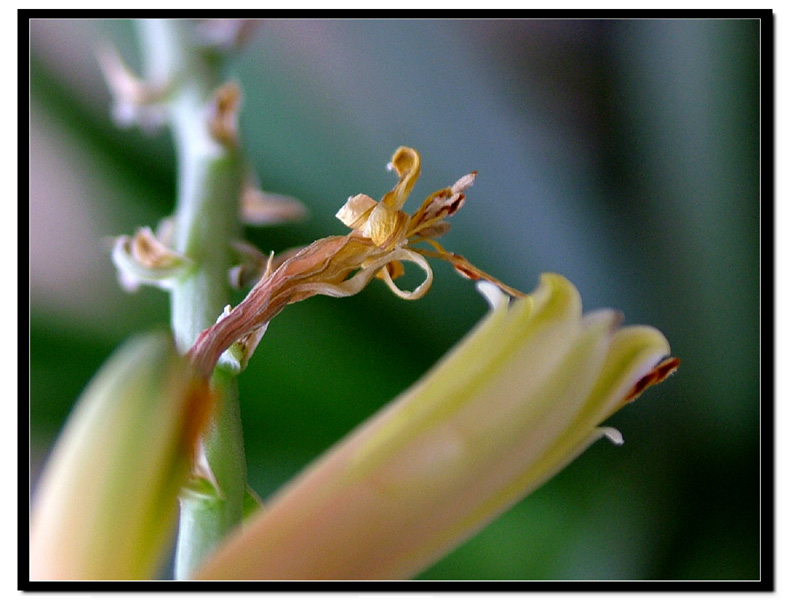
(511, 405)
(107, 501)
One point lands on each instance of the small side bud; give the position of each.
(252, 265)
(225, 34)
(135, 101)
(259, 208)
(144, 260)
(224, 114)
(238, 354)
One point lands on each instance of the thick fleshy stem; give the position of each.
(210, 178)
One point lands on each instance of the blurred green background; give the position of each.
(622, 154)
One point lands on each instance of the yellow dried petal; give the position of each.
(385, 227)
(354, 213)
(406, 162)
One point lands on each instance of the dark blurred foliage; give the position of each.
(623, 154)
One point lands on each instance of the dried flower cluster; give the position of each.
(383, 236)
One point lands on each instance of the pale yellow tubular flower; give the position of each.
(515, 401)
(107, 502)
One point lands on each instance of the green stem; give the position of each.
(210, 178)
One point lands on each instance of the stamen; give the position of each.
(466, 268)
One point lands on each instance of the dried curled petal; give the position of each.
(356, 210)
(440, 205)
(417, 259)
(406, 163)
(384, 222)
(384, 227)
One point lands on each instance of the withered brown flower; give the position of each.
(383, 236)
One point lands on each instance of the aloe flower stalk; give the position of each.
(107, 503)
(190, 253)
(510, 406)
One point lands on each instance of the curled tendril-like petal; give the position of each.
(143, 260)
(406, 163)
(420, 261)
(362, 277)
